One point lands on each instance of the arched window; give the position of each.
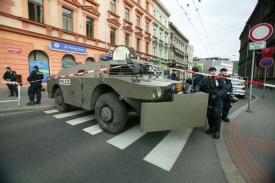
(40, 59)
(90, 59)
(67, 61)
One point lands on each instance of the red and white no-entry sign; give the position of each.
(261, 32)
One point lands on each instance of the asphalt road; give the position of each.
(40, 147)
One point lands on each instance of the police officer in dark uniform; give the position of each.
(196, 78)
(226, 100)
(216, 88)
(174, 76)
(35, 79)
(10, 75)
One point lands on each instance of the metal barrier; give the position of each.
(18, 88)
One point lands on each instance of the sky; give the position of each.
(223, 21)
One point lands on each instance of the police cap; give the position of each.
(212, 69)
(223, 69)
(195, 69)
(36, 67)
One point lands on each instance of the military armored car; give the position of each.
(125, 83)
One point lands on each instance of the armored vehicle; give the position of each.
(125, 83)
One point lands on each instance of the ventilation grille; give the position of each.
(124, 70)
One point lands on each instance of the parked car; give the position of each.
(238, 86)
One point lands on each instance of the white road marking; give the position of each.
(165, 154)
(125, 139)
(80, 120)
(67, 114)
(51, 111)
(95, 129)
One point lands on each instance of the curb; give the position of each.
(231, 171)
(24, 109)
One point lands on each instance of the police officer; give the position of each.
(196, 78)
(35, 79)
(226, 100)
(174, 76)
(216, 88)
(10, 75)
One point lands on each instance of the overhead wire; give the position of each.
(203, 27)
(193, 27)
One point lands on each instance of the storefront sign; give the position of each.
(68, 47)
(14, 50)
(43, 67)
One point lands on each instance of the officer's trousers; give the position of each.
(226, 107)
(13, 89)
(35, 89)
(214, 113)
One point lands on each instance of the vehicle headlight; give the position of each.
(158, 92)
(154, 94)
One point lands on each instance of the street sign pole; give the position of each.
(251, 79)
(264, 79)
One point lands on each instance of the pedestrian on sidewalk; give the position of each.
(10, 75)
(226, 100)
(35, 79)
(216, 88)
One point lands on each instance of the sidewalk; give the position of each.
(13, 106)
(250, 141)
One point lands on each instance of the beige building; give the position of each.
(55, 34)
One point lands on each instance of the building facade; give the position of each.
(55, 34)
(216, 62)
(264, 12)
(160, 33)
(178, 45)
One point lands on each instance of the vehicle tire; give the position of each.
(111, 113)
(241, 96)
(59, 101)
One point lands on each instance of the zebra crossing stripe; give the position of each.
(125, 139)
(165, 154)
(51, 111)
(95, 129)
(81, 120)
(67, 114)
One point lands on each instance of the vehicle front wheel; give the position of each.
(59, 101)
(111, 113)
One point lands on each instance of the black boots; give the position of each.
(30, 103)
(37, 102)
(216, 135)
(210, 130)
(225, 119)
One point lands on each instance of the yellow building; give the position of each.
(55, 34)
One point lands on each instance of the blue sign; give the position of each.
(267, 62)
(43, 67)
(68, 47)
(217, 63)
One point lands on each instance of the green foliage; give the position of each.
(198, 66)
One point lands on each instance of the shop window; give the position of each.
(35, 8)
(40, 59)
(67, 19)
(89, 27)
(113, 6)
(113, 36)
(67, 61)
(90, 59)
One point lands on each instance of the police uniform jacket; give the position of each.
(36, 76)
(10, 75)
(196, 79)
(212, 86)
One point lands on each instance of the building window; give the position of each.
(160, 18)
(147, 6)
(90, 59)
(155, 32)
(126, 14)
(147, 27)
(89, 27)
(113, 6)
(113, 36)
(154, 13)
(138, 1)
(138, 21)
(147, 48)
(35, 8)
(138, 44)
(67, 61)
(67, 18)
(127, 40)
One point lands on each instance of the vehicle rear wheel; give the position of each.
(59, 101)
(111, 113)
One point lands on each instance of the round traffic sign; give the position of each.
(267, 62)
(261, 32)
